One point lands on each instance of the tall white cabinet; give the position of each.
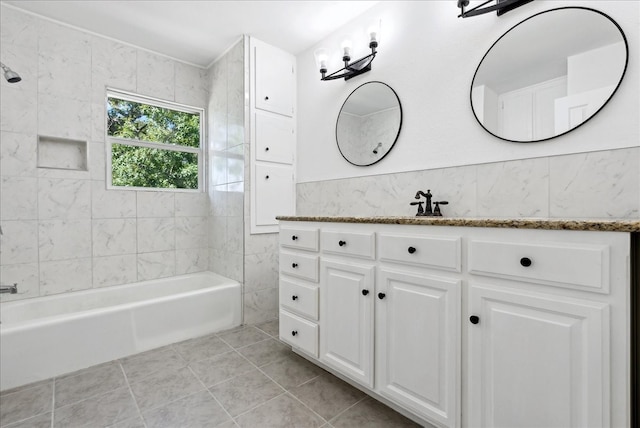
(465, 326)
(272, 123)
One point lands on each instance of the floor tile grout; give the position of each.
(133, 397)
(273, 354)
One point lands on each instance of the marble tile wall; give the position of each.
(603, 184)
(63, 231)
(234, 252)
(226, 157)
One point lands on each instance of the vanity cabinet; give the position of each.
(298, 292)
(472, 326)
(547, 328)
(418, 342)
(537, 359)
(273, 136)
(346, 312)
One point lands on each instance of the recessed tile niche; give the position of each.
(62, 153)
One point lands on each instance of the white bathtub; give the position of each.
(52, 335)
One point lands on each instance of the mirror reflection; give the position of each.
(368, 123)
(549, 74)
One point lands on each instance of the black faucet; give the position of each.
(428, 211)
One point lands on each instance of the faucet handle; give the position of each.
(436, 208)
(420, 209)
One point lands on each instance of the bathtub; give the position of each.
(52, 335)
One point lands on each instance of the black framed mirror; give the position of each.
(549, 74)
(369, 123)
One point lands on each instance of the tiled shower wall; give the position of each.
(235, 252)
(63, 230)
(226, 160)
(603, 184)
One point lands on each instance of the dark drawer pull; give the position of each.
(294, 297)
(294, 238)
(266, 149)
(525, 261)
(266, 98)
(474, 319)
(365, 292)
(342, 243)
(294, 333)
(294, 265)
(411, 250)
(266, 177)
(381, 296)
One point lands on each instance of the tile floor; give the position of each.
(244, 377)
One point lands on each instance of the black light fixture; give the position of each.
(500, 6)
(350, 69)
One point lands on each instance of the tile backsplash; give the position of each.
(603, 184)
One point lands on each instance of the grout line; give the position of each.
(210, 393)
(333, 419)
(135, 402)
(53, 401)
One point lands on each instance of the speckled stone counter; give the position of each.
(514, 223)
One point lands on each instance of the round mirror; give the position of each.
(549, 74)
(369, 123)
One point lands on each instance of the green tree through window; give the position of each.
(153, 146)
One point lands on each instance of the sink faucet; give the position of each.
(12, 289)
(428, 211)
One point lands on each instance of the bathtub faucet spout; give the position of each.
(12, 289)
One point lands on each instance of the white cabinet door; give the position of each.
(346, 312)
(275, 79)
(537, 360)
(516, 118)
(273, 194)
(418, 343)
(274, 137)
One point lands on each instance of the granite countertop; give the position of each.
(514, 223)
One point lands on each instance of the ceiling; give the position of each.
(198, 32)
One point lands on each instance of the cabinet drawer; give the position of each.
(429, 251)
(300, 238)
(581, 266)
(300, 265)
(348, 243)
(299, 298)
(299, 333)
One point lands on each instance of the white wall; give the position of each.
(428, 56)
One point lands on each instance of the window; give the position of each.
(153, 144)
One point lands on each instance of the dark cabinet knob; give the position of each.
(525, 261)
(294, 238)
(411, 250)
(365, 292)
(474, 319)
(294, 333)
(381, 296)
(294, 265)
(294, 297)
(266, 98)
(266, 149)
(342, 243)
(266, 177)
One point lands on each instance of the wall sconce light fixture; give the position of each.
(501, 6)
(350, 69)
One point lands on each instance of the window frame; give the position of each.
(156, 102)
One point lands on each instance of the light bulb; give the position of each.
(346, 49)
(322, 56)
(374, 32)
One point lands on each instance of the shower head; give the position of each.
(10, 75)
